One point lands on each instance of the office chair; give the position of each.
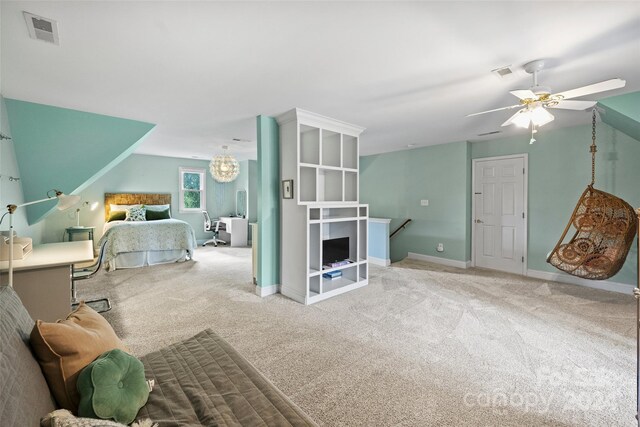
(100, 304)
(215, 227)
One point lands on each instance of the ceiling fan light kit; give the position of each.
(535, 101)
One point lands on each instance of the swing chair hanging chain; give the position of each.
(593, 148)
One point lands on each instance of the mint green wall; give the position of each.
(143, 174)
(394, 183)
(66, 149)
(268, 271)
(11, 191)
(247, 180)
(623, 113)
(253, 190)
(559, 171)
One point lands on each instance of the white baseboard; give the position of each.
(265, 291)
(379, 261)
(597, 284)
(438, 260)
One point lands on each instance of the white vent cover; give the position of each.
(493, 132)
(41, 28)
(503, 72)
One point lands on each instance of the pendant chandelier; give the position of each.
(224, 167)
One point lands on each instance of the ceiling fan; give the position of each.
(535, 101)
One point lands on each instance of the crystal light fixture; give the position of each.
(224, 167)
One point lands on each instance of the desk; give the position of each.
(236, 230)
(43, 279)
(71, 231)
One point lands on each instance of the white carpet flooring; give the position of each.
(421, 345)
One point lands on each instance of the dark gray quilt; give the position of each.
(204, 381)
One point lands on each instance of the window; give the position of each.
(192, 190)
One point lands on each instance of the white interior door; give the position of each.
(499, 221)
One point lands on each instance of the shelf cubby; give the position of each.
(315, 247)
(349, 152)
(362, 239)
(307, 188)
(350, 186)
(309, 145)
(329, 185)
(331, 151)
(363, 271)
(339, 213)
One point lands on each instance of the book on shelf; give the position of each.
(333, 275)
(337, 264)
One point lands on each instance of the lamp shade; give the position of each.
(522, 119)
(65, 202)
(540, 116)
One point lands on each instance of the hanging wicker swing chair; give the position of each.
(603, 227)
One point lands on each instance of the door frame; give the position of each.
(474, 162)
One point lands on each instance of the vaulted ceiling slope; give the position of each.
(66, 149)
(407, 71)
(623, 113)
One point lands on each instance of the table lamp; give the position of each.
(93, 207)
(64, 202)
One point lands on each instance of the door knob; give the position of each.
(479, 221)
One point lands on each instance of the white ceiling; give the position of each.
(408, 72)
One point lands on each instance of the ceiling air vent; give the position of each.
(503, 72)
(40, 28)
(493, 132)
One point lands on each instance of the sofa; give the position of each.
(199, 381)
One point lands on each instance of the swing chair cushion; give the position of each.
(604, 227)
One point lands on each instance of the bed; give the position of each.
(132, 244)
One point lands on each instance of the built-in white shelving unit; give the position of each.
(321, 156)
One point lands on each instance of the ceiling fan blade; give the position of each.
(524, 94)
(574, 105)
(496, 109)
(511, 119)
(594, 88)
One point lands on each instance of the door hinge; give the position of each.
(522, 171)
(522, 259)
(522, 214)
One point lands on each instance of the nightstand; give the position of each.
(72, 231)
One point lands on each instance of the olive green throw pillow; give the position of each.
(117, 216)
(113, 387)
(153, 215)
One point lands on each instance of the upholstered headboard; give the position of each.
(134, 199)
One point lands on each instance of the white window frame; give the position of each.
(203, 190)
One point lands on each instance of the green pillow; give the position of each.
(155, 215)
(117, 216)
(112, 387)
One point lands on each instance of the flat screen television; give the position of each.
(335, 250)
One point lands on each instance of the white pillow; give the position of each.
(116, 208)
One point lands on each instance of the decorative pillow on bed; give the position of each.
(153, 215)
(113, 207)
(158, 208)
(113, 387)
(137, 213)
(117, 216)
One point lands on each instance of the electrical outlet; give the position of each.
(440, 247)
(424, 202)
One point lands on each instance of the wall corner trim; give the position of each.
(605, 285)
(265, 291)
(438, 260)
(379, 261)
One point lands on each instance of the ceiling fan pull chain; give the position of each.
(593, 148)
